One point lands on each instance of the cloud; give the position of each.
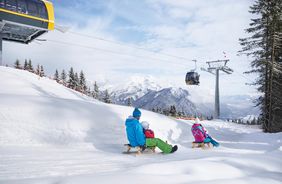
(190, 29)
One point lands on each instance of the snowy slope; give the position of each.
(44, 112)
(50, 134)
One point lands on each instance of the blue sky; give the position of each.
(191, 29)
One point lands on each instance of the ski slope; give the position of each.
(50, 134)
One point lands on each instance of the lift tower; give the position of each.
(214, 67)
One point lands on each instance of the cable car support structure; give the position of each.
(214, 67)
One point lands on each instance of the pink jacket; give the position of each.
(199, 132)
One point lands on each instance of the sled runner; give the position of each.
(138, 149)
(201, 145)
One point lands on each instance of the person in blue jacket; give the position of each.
(134, 129)
(136, 136)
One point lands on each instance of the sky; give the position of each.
(113, 40)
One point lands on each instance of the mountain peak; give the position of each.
(144, 82)
(179, 92)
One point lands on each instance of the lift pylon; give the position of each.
(214, 67)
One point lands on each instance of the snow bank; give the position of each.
(51, 134)
(38, 111)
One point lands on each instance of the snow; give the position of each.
(249, 118)
(135, 85)
(50, 134)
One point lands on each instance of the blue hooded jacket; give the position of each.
(134, 131)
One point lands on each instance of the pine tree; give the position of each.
(64, 77)
(56, 76)
(129, 101)
(259, 121)
(88, 91)
(82, 82)
(159, 110)
(253, 122)
(106, 98)
(95, 92)
(71, 81)
(165, 112)
(37, 72)
(180, 113)
(76, 82)
(30, 67)
(25, 65)
(265, 46)
(17, 64)
(172, 111)
(41, 74)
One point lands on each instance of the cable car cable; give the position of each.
(134, 47)
(109, 51)
(244, 76)
(118, 53)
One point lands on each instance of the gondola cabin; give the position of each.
(192, 78)
(24, 20)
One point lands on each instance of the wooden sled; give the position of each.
(201, 145)
(138, 149)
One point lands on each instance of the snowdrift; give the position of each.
(39, 111)
(51, 134)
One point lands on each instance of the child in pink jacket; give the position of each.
(200, 134)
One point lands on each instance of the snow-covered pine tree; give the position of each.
(159, 110)
(172, 110)
(17, 64)
(25, 65)
(71, 81)
(88, 91)
(30, 67)
(253, 122)
(95, 92)
(64, 77)
(106, 98)
(56, 76)
(165, 112)
(82, 82)
(76, 82)
(37, 72)
(129, 101)
(41, 74)
(265, 45)
(179, 113)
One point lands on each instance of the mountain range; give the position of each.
(147, 93)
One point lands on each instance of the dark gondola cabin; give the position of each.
(24, 20)
(192, 78)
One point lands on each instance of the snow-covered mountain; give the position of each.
(134, 88)
(147, 93)
(53, 135)
(165, 98)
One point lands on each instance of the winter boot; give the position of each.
(174, 148)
